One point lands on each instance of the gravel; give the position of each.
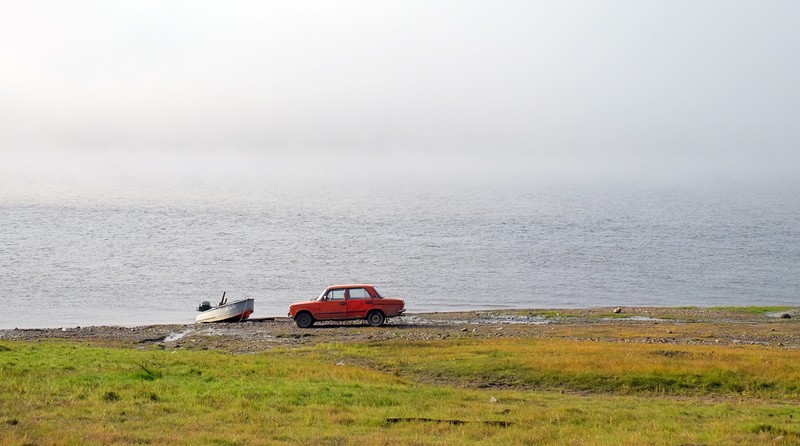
(695, 326)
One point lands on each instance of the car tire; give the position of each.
(304, 320)
(375, 318)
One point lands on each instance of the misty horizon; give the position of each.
(511, 91)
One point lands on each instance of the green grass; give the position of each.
(71, 394)
(663, 313)
(756, 310)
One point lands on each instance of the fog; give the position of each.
(421, 89)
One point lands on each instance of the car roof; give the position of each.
(350, 285)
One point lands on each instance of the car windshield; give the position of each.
(377, 294)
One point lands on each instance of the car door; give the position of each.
(359, 302)
(333, 305)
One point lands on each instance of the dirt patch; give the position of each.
(672, 353)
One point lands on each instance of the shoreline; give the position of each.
(763, 326)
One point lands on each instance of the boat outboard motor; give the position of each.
(204, 306)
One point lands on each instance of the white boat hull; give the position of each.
(232, 312)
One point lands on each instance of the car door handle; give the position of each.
(342, 303)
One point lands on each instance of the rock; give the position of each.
(463, 329)
(493, 400)
(617, 310)
(786, 316)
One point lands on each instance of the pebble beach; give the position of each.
(663, 325)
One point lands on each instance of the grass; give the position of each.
(662, 313)
(756, 309)
(587, 366)
(466, 391)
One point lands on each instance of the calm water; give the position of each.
(124, 257)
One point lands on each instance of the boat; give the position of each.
(236, 311)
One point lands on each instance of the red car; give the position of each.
(344, 302)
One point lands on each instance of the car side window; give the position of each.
(358, 293)
(336, 295)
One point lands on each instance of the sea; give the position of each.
(149, 253)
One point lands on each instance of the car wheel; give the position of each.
(304, 320)
(375, 318)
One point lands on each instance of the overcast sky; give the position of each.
(574, 87)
